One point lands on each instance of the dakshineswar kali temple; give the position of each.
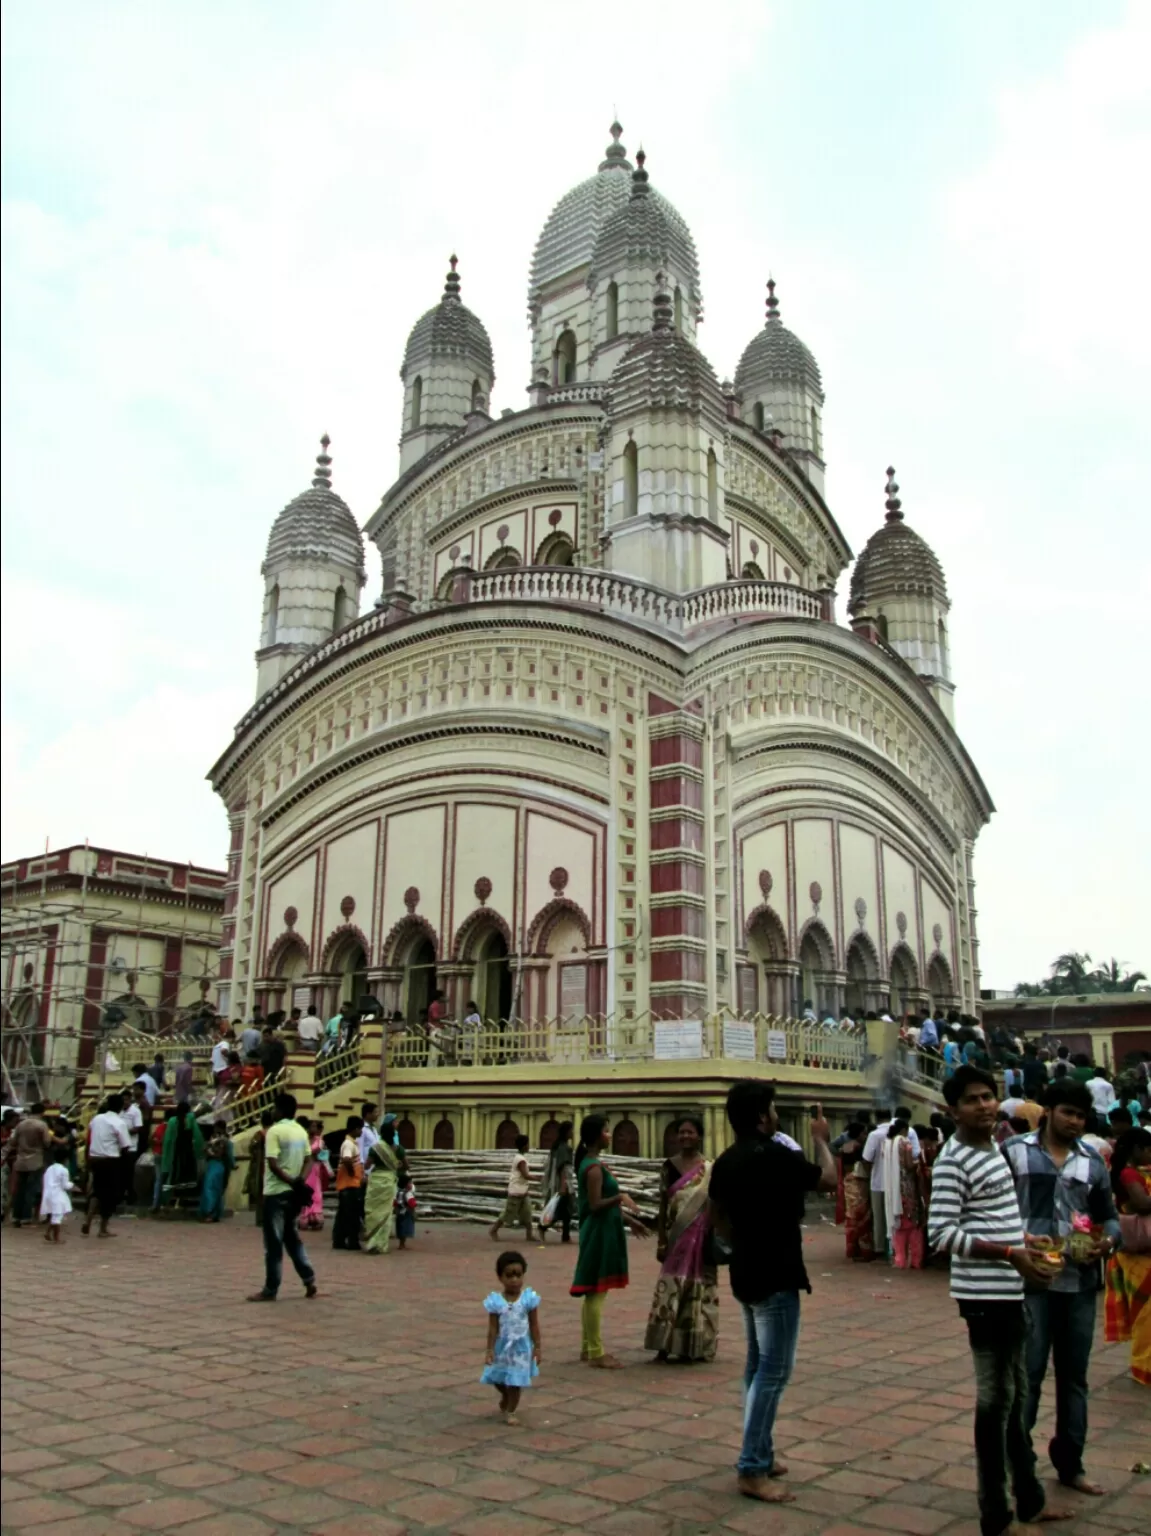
(601, 754)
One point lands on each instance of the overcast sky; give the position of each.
(221, 220)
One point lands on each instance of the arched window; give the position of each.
(478, 401)
(565, 359)
(417, 400)
(273, 615)
(816, 437)
(712, 485)
(625, 1139)
(556, 549)
(757, 416)
(444, 1135)
(339, 609)
(677, 300)
(503, 558)
(630, 480)
(506, 1133)
(751, 571)
(944, 666)
(881, 625)
(612, 311)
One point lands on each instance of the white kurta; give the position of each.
(54, 1201)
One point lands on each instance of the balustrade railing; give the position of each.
(245, 1108)
(337, 1067)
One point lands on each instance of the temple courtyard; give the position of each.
(141, 1393)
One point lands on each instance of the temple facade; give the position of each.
(602, 747)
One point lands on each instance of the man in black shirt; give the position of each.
(757, 1193)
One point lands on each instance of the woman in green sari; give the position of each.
(602, 1263)
(182, 1156)
(383, 1164)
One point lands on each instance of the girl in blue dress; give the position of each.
(513, 1334)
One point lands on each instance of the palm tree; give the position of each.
(1114, 977)
(1069, 973)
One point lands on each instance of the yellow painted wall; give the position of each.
(350, 871)
(485, 845)
(414, 856)
(765, 850)
(295, 889)
(899, 891)
(813, 865)
(859, 873)
(552, 844)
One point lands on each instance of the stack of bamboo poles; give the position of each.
(472, 1186)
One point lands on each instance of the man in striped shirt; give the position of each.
(974, 1217)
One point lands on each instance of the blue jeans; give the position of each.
(1062, 1325)
(280, 1233)
(772, 1336)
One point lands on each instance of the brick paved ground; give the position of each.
(140, 1393)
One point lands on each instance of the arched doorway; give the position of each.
(862, 976)
(939, 982)
(419, 979)
(767, 949)
(492, 983)
(625, 1138)
(904, 981)
(444, 1135)
(548, 1133)
(406, 1131)
(506, 1133)
(816, 968)
(350, 964)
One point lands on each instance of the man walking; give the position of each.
(872, 1158)
(756, 1201)
(287, 1160)
(108, 1141)
(974, 1217)
(31, 1141)
(1057, 1178)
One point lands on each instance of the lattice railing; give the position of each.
(337, 1067)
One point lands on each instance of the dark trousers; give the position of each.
(279, 1235)
(563, 1217)
(998, 1334)
(107, 1184)
(1062, 1325)
(346, 1230)
(128, 1173)
(26, 1200)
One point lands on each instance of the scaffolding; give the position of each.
(48, 1030)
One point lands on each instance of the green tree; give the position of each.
(1072, 976)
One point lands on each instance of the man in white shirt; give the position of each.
(873, 1158)
(220, 1052)
(368, 1136)
(1103, 1095)
(151, 1087)
(108, 1140)
(309, 1031)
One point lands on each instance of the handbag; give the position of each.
(1135, 1232)
(548, 1214)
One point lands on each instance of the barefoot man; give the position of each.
(757, 1190)
(975, 1218)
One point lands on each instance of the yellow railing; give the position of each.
(728, 1037)
(248, 1105)
(337, 1067)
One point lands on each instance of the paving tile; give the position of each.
(228, 1525)
(77, 1525)
(61, 1479)
(906, 1517)
(18, 1462)
(23, 1514)
(166, 1512)
(361, 1525)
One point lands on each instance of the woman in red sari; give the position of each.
(856, 1183)
(1127, 1316)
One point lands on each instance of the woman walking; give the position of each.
(1127, 1318)
(684, 1319)
(906, 1232)
(379, 1202)
(311, 1218)
(182, 1155)
(559, 1185)
(220, 1162)
(857, 1223)
(602, 1263)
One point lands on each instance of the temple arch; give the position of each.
(903, 980)
(862, 991)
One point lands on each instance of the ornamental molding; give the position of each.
(744, 508)
(534, 491)
(474, 924)
(410, 927)
(546, 919)
(279, 947)
(339, 936)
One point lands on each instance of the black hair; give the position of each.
(1128, 1144)
(522, 1143)
(512, 1257)
(902, 1113)
(1121, 1115)
(854, 1128)
(690, 1120)
(1019, 1125)
(137, 1066)
(220, 1125)
(896, 1128)
(590, 1131)
(1068, 1092)
(286, 1106)
(748, 1101)
(922, 1130)
(564, 1133)
(113, 1104)
(961, 1079)
(403, 1180)
(355, 1123)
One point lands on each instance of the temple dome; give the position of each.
(775, 354)
(645, 230)
(896, 561)
(449, 330)
(663, 370)
(317, 525)
(568, 239)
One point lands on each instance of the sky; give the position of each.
(220, 223)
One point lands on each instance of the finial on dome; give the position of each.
(452, 282)
(662, 311)
(894, 505)
(639, 177)
(615, 155)
(322, 479)
(772, 302)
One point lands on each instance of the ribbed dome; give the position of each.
(895, 560)
(450, 330)
(569, 236)
(775, 353)
(663, 369)
(647, 231)
(318, 524)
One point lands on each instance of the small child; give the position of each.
(513, 1356)
(517, 1211)
(404, 1206)
(54, 1201)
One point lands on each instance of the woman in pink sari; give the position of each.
(311, 1218)
(684, 1319)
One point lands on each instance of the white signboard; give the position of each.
(738, 1041)
(776, 1045)
(678, 1040)
(302, 998)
